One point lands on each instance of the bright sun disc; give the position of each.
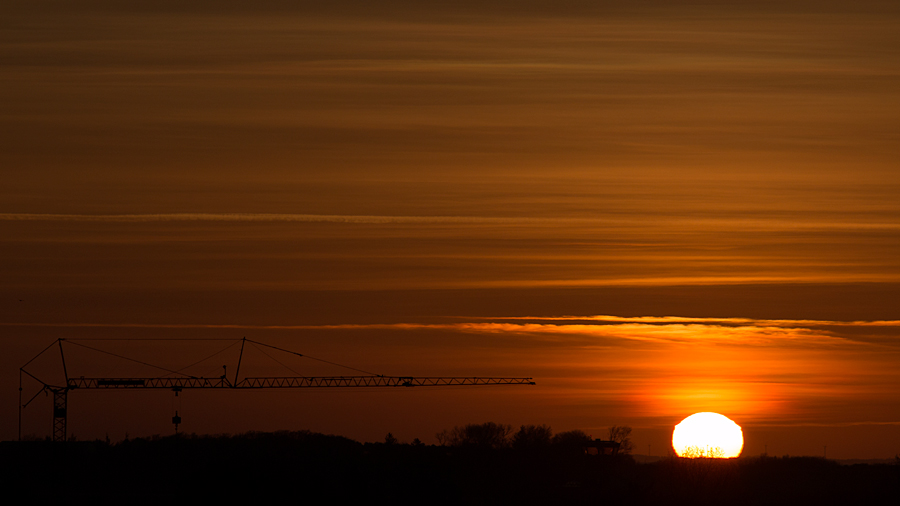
(708, 435)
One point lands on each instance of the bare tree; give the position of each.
(621, 434)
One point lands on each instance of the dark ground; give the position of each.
(304, 467)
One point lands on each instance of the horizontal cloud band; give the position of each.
(747, 224)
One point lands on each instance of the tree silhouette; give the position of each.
(532, 437)
(480, 435)
(621, 434)
(571, 438)
(570, 442)
(699, 452)
(443, 437)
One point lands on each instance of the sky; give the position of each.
(650, 209)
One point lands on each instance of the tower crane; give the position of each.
(182, 381)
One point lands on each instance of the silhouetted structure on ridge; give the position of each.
(601, 447)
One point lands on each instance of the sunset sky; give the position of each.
(652, 209)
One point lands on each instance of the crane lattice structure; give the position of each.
(184, 381)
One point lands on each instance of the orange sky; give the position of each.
(461, 190)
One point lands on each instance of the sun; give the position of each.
(709, 435)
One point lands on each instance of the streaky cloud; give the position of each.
(277, 217)
(701, 320)
(661, 330)
(687, 223)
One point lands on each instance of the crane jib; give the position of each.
(289, 382)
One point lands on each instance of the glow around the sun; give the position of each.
(709, 435)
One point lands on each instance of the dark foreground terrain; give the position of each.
(304, 467)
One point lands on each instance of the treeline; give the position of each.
(528, 437)
(475, 464)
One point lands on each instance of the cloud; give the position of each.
(264, 217)
(704, 321)
(653, 329)
(688, 223)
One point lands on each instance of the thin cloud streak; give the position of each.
(698, 280)
(268, 217)
(682, 319)
(813, 424)
(670, 329)
(690, 223)
(169, 325)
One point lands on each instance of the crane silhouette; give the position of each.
(177, 381)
